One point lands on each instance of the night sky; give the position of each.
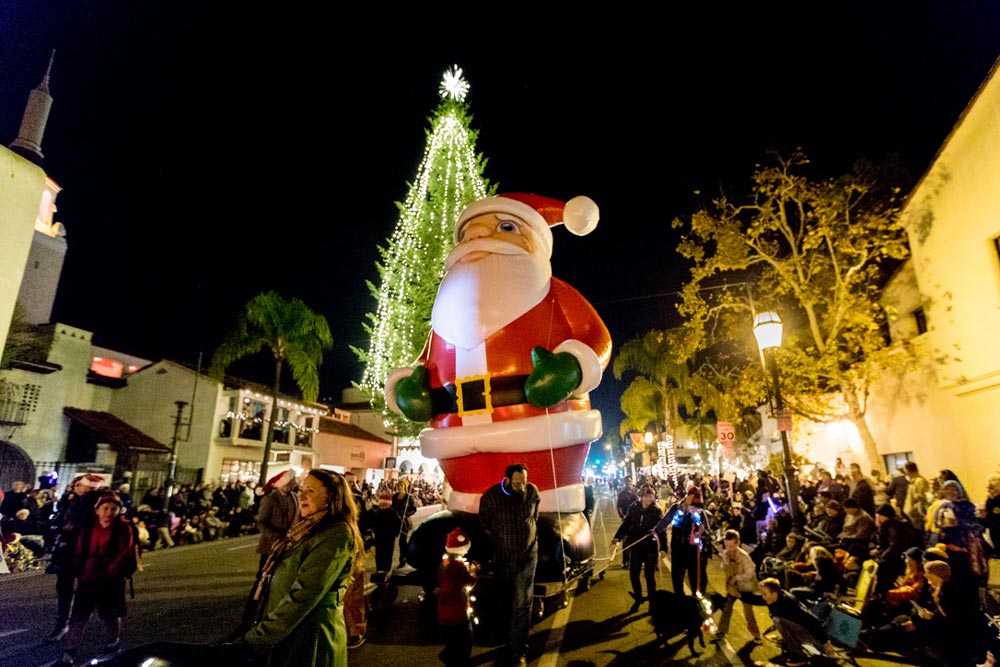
(208, 154)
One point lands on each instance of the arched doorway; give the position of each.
(15, 466)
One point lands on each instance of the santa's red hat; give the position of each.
(283, 477)
(579, 214)
(458, 542)
(385, 498)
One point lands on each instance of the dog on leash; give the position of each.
(671, 614)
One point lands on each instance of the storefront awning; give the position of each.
(117, 433)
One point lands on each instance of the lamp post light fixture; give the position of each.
(767, 331)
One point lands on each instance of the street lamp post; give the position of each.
(767, 331)
(178, 420)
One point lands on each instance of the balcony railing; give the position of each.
(14, 410)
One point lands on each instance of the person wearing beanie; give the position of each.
(636, 529)
(690, 544)
(387, 526)
(894, 535)
(512, 356)
(104, 559)
(456, 578)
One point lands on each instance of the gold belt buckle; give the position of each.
(474, 408)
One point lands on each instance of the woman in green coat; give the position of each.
(304, 580)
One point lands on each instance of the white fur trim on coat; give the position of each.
(390, 388)
(564, 499)
(558, 429)
(589, 364)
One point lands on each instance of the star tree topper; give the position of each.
(453, 85)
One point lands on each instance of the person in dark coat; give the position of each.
(626, 497)
(894, 535)
(637, 529)
(387, 526)
(796, 625)
(690, 543)
(508, 513)
(277, 512)
(862, 490)
(896, 490)
(406, 506)
(75, 511)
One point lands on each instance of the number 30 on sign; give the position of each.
(726, 435)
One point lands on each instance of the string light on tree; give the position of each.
(411, 265)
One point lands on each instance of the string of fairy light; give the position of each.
(422, 239)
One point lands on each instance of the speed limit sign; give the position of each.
(726, 435)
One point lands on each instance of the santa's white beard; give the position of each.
(477, 299)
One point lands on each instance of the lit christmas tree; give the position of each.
(449, 177)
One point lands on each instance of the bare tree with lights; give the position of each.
(449, 177)
(294, 334)
(818, 252)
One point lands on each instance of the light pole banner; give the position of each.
(726, 436)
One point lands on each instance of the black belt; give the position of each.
(481, 393)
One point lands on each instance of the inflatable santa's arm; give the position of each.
(574, 367)
(408, 393)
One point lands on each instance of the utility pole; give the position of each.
(178, 419)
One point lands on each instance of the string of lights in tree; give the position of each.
(411, 266)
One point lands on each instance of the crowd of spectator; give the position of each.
(194, 513)
(898, 524)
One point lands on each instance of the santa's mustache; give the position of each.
(488, 245)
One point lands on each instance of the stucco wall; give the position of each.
(21, 187)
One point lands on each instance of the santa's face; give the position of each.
(491, 233)
(497, 272)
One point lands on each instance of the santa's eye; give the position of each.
(507, 226)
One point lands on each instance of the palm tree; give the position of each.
(294, 334)
(665, 390)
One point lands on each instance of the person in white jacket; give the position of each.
(741, 579)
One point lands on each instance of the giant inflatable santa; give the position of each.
(513, 353)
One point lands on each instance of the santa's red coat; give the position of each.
(474, 449)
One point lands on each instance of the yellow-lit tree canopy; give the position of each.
(817, 251)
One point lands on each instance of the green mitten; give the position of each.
(413, 395)
(554, 378)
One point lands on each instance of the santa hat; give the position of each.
(579, 214)
(282, 477)
(87, 478)
(458, 542)
(385, 498)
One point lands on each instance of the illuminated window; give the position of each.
(282, 427)
(107, 367)
(236, 470)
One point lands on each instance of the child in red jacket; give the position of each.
(457, 577)
(105, 557)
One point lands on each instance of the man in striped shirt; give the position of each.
(508, 513)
